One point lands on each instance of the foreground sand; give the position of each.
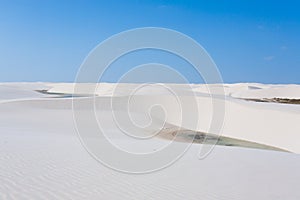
(41, 155)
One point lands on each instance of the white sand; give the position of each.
(41, 156)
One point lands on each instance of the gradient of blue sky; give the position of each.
(250, 41)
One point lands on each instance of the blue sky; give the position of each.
(250, 41)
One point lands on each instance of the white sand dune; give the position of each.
(41, 156)
(265, 91)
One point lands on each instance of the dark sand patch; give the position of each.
(276, 100)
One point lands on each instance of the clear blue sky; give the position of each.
(250, 41)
